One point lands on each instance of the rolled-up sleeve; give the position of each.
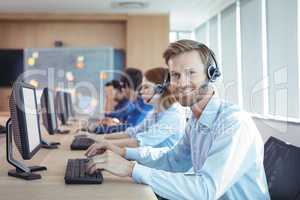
(169, 127)
(133, 131)
(225, 164)
(176, 159)
(145, 155)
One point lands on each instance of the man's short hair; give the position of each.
(132, 78)
(182, 46)
(115, 84)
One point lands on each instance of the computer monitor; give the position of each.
(48, 111)
(24, 127)
(49, 117)
(61, 108)
(69, 105)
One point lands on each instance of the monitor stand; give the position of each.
(49, 145)
(22, 171)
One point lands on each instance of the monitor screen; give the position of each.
(52, 109)
(69, 104)
(31, 117)
(61, 107)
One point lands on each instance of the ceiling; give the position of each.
(184, 14)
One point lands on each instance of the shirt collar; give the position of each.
(210, 112)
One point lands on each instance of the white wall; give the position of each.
(286, 131)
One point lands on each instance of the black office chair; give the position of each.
(282, 166)
(2, 129)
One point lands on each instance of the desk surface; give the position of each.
(52, 185)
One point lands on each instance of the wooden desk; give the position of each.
(52, 185)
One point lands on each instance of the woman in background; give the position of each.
(164, 126)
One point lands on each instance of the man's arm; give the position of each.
(231, 155)
(120, 135)
(126, 142)
(176, 159)
(170, 127)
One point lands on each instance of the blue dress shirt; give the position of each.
(138, 111)
(219, 157)
(121, 110)
(160, 129)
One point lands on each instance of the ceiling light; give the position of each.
(94, 102)
(34, 83)
(130, 4)
(31, 61)
(70, 76)
(80, 62)
(35, 55)
(103, 75)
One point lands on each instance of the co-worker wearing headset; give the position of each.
(161, 128)
(134, 111)
(221, 154)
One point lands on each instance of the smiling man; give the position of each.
(219, 157)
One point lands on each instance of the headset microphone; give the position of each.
(161, 88)
(148, 101)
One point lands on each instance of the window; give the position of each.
(172, 36)
(213, 35)
(257, 43)
(201, 33)
(184, 35)
(178, 35)
(229, 54)
(282, 57)
(251, 55)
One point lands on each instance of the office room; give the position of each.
(150, 99)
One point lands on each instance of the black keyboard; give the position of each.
(81, 143)
(76, 173)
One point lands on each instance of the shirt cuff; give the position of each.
(141, 174)
(132, 154)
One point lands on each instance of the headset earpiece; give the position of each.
(213, 71)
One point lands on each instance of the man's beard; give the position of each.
(191, 95)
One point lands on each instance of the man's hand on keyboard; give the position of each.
(101, 146)
(112, 163)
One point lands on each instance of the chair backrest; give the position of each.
(282, 166)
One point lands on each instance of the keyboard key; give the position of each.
(76, 173)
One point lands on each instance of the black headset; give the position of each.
(213, 71)
(161, 88)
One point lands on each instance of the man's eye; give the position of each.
(175, 75)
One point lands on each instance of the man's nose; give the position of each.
(184, 80)
(141, 91)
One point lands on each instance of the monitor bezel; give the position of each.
(60, 101)
(46, 115)
(68, 104)
(21, 115)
